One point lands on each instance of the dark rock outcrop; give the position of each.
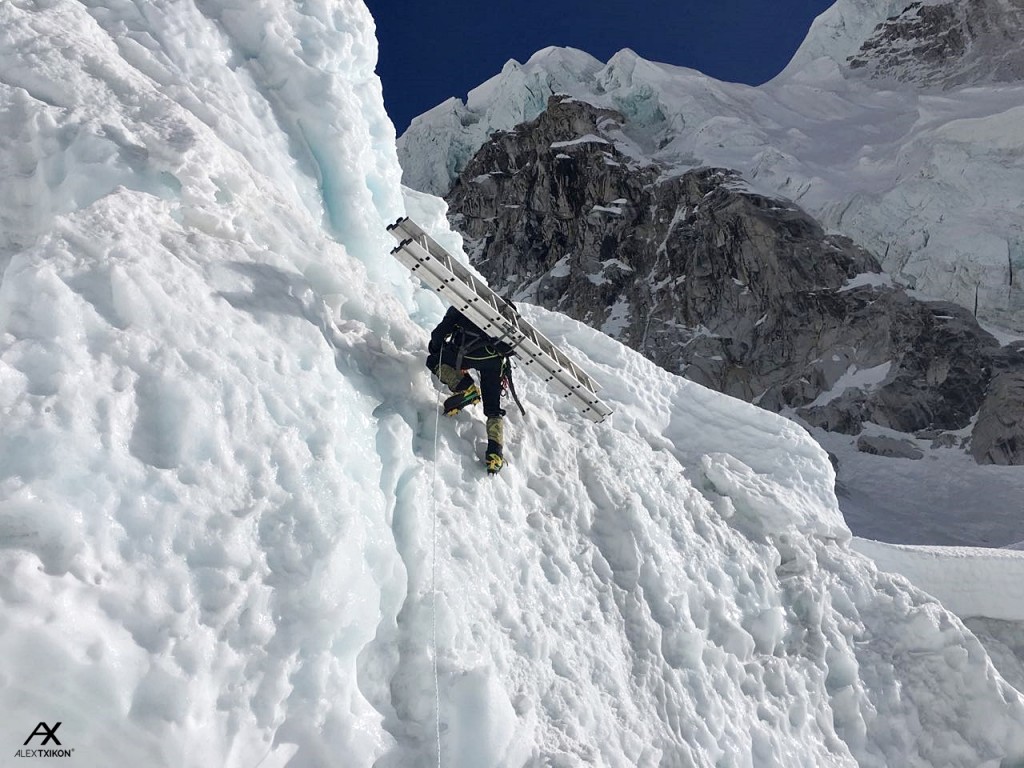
(741, 292)
(941, 365)
(948, 44)
(891, 447)
(998, 435)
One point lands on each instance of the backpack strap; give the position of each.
(470, 343)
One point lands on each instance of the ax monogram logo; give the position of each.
(49, 734)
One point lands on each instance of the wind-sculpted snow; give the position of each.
(221, 465)
(120, 93)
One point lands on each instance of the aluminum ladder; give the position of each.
(443, 273)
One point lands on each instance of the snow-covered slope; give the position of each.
(970, 581)
(938, 43)
(929, 180)
(838, 33)
(233, 530)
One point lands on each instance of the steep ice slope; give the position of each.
(221, 465)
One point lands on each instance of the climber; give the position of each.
(456, 346)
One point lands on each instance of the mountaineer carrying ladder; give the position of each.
(457, 346)
(481, 331)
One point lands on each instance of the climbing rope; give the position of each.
(433, 579)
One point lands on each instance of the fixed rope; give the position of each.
(433, 580)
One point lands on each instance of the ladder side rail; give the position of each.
(594, 410)
(568, 379)
(410, 260)
(442, 282)
(407, 228)
(439, 285)
(458, 268)
(481, 290)
(486, 302)
(551, 349)
(578, 374)
(484, 291)
(562, 359)
(562, 380)
(413, 231)
(475, 307)
(435, 249)
(486, 317)
(423, 266)
(439, 268)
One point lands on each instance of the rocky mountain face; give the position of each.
(739, 291)
(948, 44)
(997, 438)
(928, 180)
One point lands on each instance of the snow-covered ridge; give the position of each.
(440, 142)
(938, 43)
(970, 581)
(929, 182)
(221, 465)
(838, 33)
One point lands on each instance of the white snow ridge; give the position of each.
(220, 473)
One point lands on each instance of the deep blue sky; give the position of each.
(430, 51)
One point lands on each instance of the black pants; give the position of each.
(489, 368)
